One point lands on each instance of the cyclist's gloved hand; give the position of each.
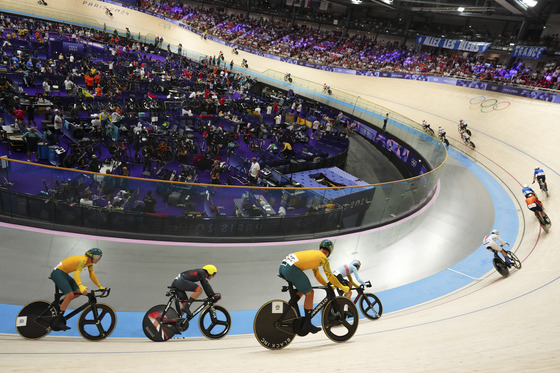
(101, 287)
(345, 289)
(83, 289)
(216, 297)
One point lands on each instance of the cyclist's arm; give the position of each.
(352, 281)
(318, 276)
(332, 278)
(355, 272)
(81, 265)
(93, 277)
(206, 285)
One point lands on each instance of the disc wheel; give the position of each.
(501, 267)
(154, 328)
(214, 322)
(269, 330)
(340, 319)
(97, 322)
(370, 306)
(34, 320)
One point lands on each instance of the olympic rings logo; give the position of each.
(166, 26)
(487, 105)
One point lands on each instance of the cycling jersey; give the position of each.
(201, 276)
(533, 203)
(527, 191)
(493, 242)
(347, 271)
(539, 172)
(76, 264)
(313, 259)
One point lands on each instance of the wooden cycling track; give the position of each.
(492, 324)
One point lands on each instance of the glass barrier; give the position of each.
(105, 204)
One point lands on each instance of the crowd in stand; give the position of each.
(358, 51)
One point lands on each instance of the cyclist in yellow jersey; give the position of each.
(72, 287)
(292, 270)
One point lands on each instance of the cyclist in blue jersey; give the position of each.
(527, 190)
(539, 175)
(344, 274)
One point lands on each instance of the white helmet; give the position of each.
(495, 231)
(525, 186)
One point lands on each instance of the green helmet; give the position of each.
(327, 245)
(94, 253)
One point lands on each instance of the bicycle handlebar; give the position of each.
(101, 293)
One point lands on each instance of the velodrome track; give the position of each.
(490, 324)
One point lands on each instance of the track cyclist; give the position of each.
(344, 275)
(292, 270)
(535, 205)
(73, 287)
(494, 243)
(185, 281)
(539, 175)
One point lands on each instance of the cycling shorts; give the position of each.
(541, 177)
(342, 280)
(535, 207)
(182, 286)
(65, 283)
(296, 276)
(492, 246)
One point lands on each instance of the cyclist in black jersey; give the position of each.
(186, 281)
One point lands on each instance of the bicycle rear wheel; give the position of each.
(97, 322)
(271, 329)
(154, 328)
(371, 306)
(34, 320)
(214, 322)
(340, 319)
(501, 267)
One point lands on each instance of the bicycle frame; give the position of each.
(92, 299)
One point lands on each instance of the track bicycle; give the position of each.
(443, 139)
(543, 187)
(162, 321)
(369, 303)
(502, 267)
(288, 78)
(467, 141)
(544, 221)
(97, 320)
(277, 322)
(463, 127)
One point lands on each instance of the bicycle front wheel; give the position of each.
(155, 326)
(516, 262)
(274, 324)
(340, 319)
(34, 320)
(214, 322)
(97, 322)
(371, 306)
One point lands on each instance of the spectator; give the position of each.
(31, 139)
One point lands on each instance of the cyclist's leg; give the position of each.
(344, 282)
(296, 276)
(184, 285)
(67, 286)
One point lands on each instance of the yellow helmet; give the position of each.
(210, 269)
